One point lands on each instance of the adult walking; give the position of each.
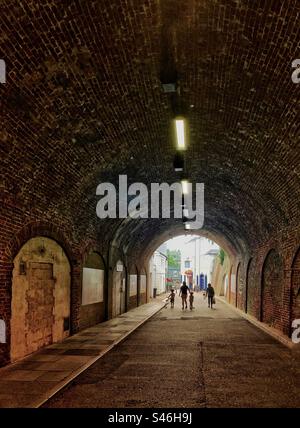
(210, 293)
(184, 289)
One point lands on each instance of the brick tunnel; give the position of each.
(90, 93)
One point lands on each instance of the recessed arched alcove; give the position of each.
(272, 287)
(40, 305)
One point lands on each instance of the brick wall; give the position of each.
(132, 303)
(253, 290)
(272, 290)
(269, 280)
(240, 286)
(91, 314)
(143, 298)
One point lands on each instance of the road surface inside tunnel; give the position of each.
(183, 358)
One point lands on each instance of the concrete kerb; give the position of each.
(73, 376)
(269, 330)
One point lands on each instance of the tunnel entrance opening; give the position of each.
(190, 258)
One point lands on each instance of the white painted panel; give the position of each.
(2, 332)
(143, 284)
(133, 285)
(225, 284)
(92, 286)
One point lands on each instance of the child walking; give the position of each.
(171, 297)
(191, 300)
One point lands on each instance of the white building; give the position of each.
(158, 270)
(197, 256)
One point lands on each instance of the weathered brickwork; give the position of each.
(81, 317)
(272, 290)
(132, 302)
(40, 305)
(40, 228)
(241, 288)
(272, 274)
(143, 298)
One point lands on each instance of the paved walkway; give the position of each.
(200, 358)
(31, 381)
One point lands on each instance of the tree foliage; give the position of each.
(221, 256)
(174, 258)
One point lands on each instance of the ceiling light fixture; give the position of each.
(185, 187)
(180, 133)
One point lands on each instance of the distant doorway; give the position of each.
(119, 289)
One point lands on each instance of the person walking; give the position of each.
(210, 293)
(184, 289)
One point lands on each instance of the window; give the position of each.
(187, 264)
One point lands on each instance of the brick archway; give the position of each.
(32, 230)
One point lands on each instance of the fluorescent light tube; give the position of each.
(185, 189)
(180, 133)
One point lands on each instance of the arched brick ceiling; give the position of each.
(83, 102)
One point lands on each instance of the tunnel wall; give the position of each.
(267, 281)
(143, 287)
(133, 281)
(16, 234)
(252, 292)
(78, 253)
(272, 289)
